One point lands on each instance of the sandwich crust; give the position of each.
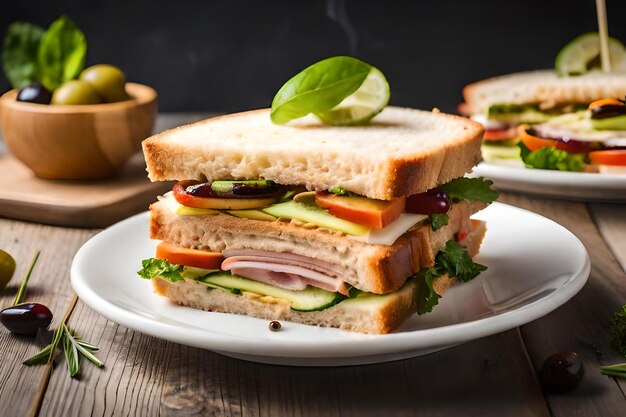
(402, 152)
(543, 87)
(378, 269)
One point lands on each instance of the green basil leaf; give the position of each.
(552, 158)
(318, 88)
(61, 54)
(19, 53)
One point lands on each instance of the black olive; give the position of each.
(26, 318)
(34, 93)
(197, 189)
(561, 372)
(275, 325)
(608, 110)
(252, 189)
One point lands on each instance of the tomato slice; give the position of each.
(362, 210)
(500, 134)
(534, 143)
(189, 257)
(605, 102)
(608, 157)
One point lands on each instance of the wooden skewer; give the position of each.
(604, 35)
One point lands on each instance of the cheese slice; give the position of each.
(390, 233)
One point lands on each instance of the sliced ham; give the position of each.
(285, 270)
(278, 279)
(288, 258)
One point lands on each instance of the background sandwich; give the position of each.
(556, 119)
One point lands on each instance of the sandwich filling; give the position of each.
(570, 137)
(289, 276)
(284, 270)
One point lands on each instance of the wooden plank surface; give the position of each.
(611, 221)
(493, 376)
(581, 325)
(49, 284)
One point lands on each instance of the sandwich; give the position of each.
(355, 227)
(569, 118)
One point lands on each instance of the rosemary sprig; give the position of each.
(22, 290)
(78, 347)
(618, 370)
(71, 353)
(73, 347)
(41, 357)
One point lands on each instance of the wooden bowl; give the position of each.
(88, 141)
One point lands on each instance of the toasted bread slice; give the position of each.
(378, 269)
(370, 314)
(377, 314)
(543, 87)
(401, 152)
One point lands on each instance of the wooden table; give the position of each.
(492, 376)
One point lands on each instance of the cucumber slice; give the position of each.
(609, 123)
(309, 299)
(516, 114)
(228, 186)
(500, 152)
(583, 54)
(311, 213)
(362, 105)
(253, 215)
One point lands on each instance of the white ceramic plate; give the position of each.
(582, 186)
(535, 266)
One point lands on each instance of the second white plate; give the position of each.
(581, 186)
(535, 265)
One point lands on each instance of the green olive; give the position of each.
(107, 80)
(7, 268)
(75, 92)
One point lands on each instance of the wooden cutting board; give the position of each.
(91, 204)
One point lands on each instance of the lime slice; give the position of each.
(362, 105)
(583, 54)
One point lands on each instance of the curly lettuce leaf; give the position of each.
(476, 189)
(456, 262)
(438, 220)
(552, 158)
(453, 260)
(618, 330)
(152, 268)
(427, 297)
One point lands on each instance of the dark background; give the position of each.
(226, 56)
